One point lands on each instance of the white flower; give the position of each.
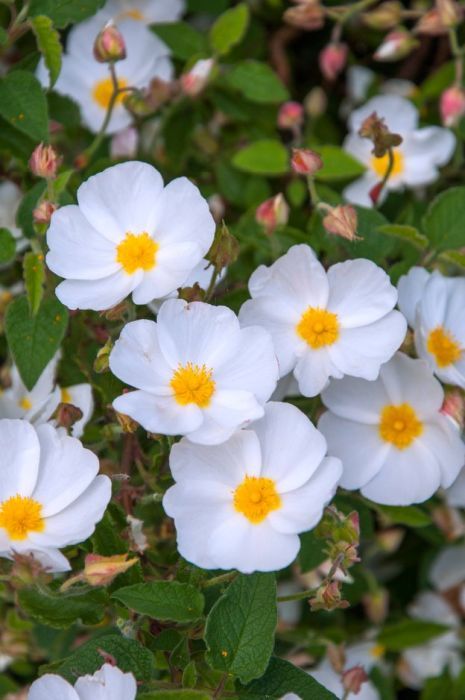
(241, 505)
(394, 443)
(79, 395)
(197, 373)
(108, 683)
(434, 306)
(147, 11)
(124, 143)
(429, 660)
(10, 197)
(128, 234)
(50, 494)
(196, 79)
(448, 568)
(455, 494)
(416, 160)
(201, 275)
(88, 82)
(325, 324)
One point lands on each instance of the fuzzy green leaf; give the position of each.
(265, 157)
(7, 246)
(183, 40)
(59, 610)
(443, 222)
(257, 82)
(163, 600)
(34, 278)
(405, 515)
(23, 104)
(409, 234)
(409, 633)
(229, 29)
(64, 12)
(337, 165)
(282, 677)
(49, 45)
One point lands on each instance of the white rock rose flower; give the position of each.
(197, 373)
(325, 324)
(108, 683)
(88, 82)
(395, 444)
(10, 197)
(416, 160)
(241, 505)
(434, 307)
(50, 493)
(146, 11)
(128, 234)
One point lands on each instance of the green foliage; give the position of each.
(443, 222)
(229, 29)
(409, 633)
(257, 82)
(337, 165)
(265, 157)
(176, 695)
(282, 677)
(183, 40)
(240, 627)
(405, 515)
(34, 340)
(48, 43)
(34, 278)
(163, 600)
(7, 246)
(64, 12)
(23, 104)
(409, 234)
(60, 610)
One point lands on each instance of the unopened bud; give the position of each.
(342, 221)
(272, 213)
(305, 161)
(159, 92)
(100, 571)
(353, 679)
(217, 206)
(127, 424)
(43, 212)
(450, 13)
(374, 128)
(328, 597)
(101, 362)
(196, 80)
(396, 45)
(454, 407)
(307, 15)
(124, 143)
(67, 415)
(375, 192)
(430, 24)
(225, 248)
(332, 60)
(385, 16)
(316, 102)
(194, 293)
(290, 115)
(44, 162)
(376, 605)
(390, 539)
(336, 656)
(452, 105)
(109, 45)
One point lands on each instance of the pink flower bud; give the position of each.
(452, 105)
(307, 15)
(100, 571)
(332, 60)
(124, 143)
(450, 12)
(272, 213)
(44, 162)
(353, 679)
(305, 162)
(342, 221)
(195, 80)
(290, 115)
(43, 212)
(396, 45)
(109, 45)
(454, 407)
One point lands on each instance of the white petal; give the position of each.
(400, 115)
(433, 303)
(356, 399)
(433, 143)
(98, 294)
(359, 148)
(108, 683)
(228, 411)
(358, 192)
(81, 397)
(410, 381)
(159, 414)
(19, 458)
(455, 494)
(410, 289)
(52, 687)
(313, 371)
(444, 441)
(448, 569)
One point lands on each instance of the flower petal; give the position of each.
(19, 458)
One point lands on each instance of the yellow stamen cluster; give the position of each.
(400, 425)
(380, 165)
(137, 252)
(103, 90)
(256, 497)
(21, 515)
(193, 384)
(318, 327)
(444, 347)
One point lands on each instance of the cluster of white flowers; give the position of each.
(108, 683)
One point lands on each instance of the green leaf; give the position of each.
(3, 36)
(409, 234)
(409, 633)
(49, 45)
(454, 257)
(373, 245)
(405, 515)
(60, 610)
(163, 600)
(183, 40)
(229, 29)
(64, 12)
(257, 82)
(264, 157)
(240, 627)
(282, 677)
(33, 340)
(23, 104)
(14, 141)
(130, 656)
(338, 165)
(176, 695)
(27, 205)
(311, 553)
(7, 246)
(443, 221)
(34, 278)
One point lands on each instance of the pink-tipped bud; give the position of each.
(100, 571)
(452, 105)
(124, 143)
(454, 407)
(290, 115)
(109, 45)
(305, 162)
(43, 212)
(396, 45)
(353, 679)
(430, 24)
(196, 80)
(332, 60)
(342, 221)
(44, 162)
(272, 213)
(450, 12)
(307, 15)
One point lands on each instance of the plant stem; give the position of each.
(458, 53)
(312, 191)
(211, 286)
(388, 172)
(217, 580)
(89, 152)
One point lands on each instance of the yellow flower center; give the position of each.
(444, 347)
(381, 165)
(256, 497)
(193, 384)
(103, 90)
(21, 515)
(66, 396)
(377, 651)
(318, 327)
(137, 252)
(399, 425)
(25, 403)
(131, 14)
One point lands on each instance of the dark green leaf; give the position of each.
(409, 633)
(64, 12)
(23, 104)
(257, 82)
(34, 278)
(265, 157)
(409, 234)
(183, 40)
(27, 206)
(185, 694)
(240, 627)
(229, 29)
(311, 552)
(33, 341)
(60, 610)
(405, 515)
(282, 677)
(7, 246)
(163, 600)
(48, 43)
(337, 165)
(454, 257)
(443, 222)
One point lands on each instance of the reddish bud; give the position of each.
(100, 571)
(430, 24)
(67, 415)
(353, 679)
(109, 45)
(307, 15)
(44, 162)
(342, 221)
(454, 407)
(452, 105)
(328, 597)
(375, 192)
(290, 115)
(272, 213)
(195, 80)
(43, 212)
(305, 162)
(332, 60)
(396, 45)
